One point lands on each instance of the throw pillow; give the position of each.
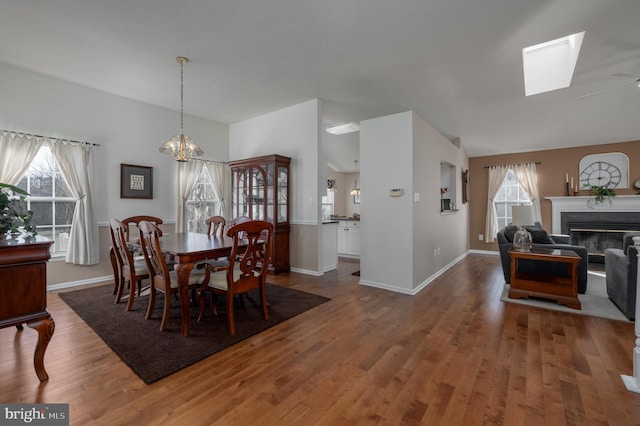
(539, 236)
(509, 231)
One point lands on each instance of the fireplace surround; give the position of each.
(595, 227)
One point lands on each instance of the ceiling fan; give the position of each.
(635, 82)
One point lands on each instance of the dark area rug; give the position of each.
(153, 354)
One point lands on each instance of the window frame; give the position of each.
(504, 215)
(214, 205)
(55, 250)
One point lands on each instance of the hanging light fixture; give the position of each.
(355, 190)
(182, 147)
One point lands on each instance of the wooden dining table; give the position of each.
(185, 249)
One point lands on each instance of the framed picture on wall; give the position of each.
(136, 181)
(465, 186)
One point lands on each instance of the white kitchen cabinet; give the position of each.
(349, 238)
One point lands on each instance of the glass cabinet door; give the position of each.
(258, 194)
(283, 194)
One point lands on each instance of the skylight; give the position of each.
(550, 65)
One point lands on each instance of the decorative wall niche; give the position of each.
(448, 183)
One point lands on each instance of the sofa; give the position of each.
(541, 239)
(621, 269)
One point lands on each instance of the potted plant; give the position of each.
(601, 193)
(14, 216)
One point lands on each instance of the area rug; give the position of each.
(153, 354)
(595, 301)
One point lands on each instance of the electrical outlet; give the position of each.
(481, 237)
(435, 252)
(438, 249)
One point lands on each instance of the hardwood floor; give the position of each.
(453, 354)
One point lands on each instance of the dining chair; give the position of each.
(215, 225)
(246, 271)
(127, 231)
(130, 270)
(162, 279)
(135, 220)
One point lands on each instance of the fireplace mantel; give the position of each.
(619, 203)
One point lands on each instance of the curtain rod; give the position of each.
(209, 161)
(49, 137)
(518, 164)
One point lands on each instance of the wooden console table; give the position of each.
(562, 289)
(23, 291)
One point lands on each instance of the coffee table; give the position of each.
(563, 289)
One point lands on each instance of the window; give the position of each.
(327, 204)
(511, 193)
(201, 204)
(50, 199)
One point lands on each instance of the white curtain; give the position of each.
(76, 166)
(220, 175)
(188, 174)
(497, 174)
(528, 179)
(16, 154)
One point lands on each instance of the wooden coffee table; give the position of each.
(564, 290)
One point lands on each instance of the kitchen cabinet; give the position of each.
(260, 191)
(329, 258)
(349, 238)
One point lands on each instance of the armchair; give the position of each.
(541, 240)
(621, 267)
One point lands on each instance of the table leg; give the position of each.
(45, 328)
(183, 270)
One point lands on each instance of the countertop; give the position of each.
(337, 219)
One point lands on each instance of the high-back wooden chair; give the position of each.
(215, 225)
(246, 271)
(127, 232)
(162, 278)
(129, 270)
(135, 220)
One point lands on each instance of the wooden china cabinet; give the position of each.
(260, 191)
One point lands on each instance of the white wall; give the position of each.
(128, 131)
(292, 132)
(433, 230)
(398, 234)
(386, 148)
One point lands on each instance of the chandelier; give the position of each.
(182, 147)
(356, 189)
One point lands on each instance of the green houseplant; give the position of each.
(601, 193)
(14, 216)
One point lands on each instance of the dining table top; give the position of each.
(190, 243)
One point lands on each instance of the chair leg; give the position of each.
(152, 301)
(165, 310)
(230, 320)
(201, 303)
(116, 273)
(120, 287)
(132, 295)
(265, 308)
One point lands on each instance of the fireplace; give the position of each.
(596, 228)
(598, 231)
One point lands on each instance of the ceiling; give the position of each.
(456, 63)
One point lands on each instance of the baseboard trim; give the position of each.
(80, 283)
